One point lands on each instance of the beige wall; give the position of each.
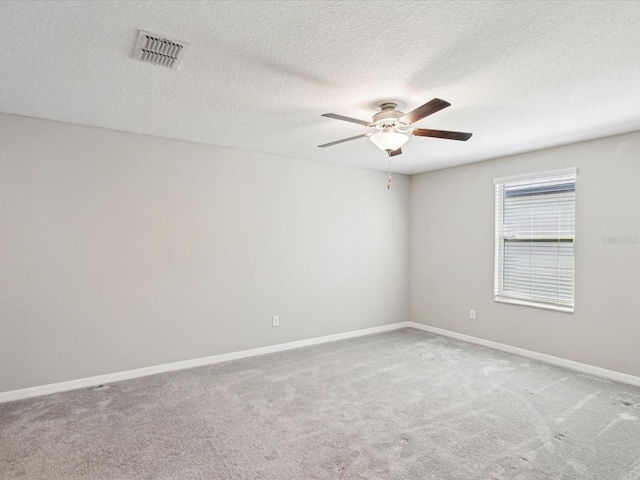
(121, 251)
(452, 249)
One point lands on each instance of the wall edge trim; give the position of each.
(13, 395)
(543, 357)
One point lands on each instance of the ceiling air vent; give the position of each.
(159, 50)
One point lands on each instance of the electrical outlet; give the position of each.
(472, 314)
(275, 321)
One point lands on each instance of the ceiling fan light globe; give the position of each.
(389, 141)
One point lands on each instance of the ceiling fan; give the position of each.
(394, 126)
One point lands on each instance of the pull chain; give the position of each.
(389, 174)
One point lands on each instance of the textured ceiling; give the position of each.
(520, 75)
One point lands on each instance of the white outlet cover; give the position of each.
(275, 320)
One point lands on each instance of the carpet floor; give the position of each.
(399, 405)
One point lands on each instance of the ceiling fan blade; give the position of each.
(346, 119)
(393, 153)
(425, 110)
(345, 140)
(421, 132)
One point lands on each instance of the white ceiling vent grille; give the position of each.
(159, 50)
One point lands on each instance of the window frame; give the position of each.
(501, 239)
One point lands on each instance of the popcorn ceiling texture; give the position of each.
(402, 405)
(520, 75)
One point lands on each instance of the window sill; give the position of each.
(515, 301)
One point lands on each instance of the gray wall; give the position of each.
(452, 249)
(121, 251)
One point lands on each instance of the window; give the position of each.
(535, 239)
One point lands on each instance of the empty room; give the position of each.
(287, 239)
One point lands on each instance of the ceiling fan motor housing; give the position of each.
(388, 116)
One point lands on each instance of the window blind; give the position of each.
(535, 235)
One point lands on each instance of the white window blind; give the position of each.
(535, 234)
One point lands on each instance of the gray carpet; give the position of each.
(399, 405)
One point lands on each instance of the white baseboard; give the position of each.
(225, 357)
(560, 362)
(196, 362)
